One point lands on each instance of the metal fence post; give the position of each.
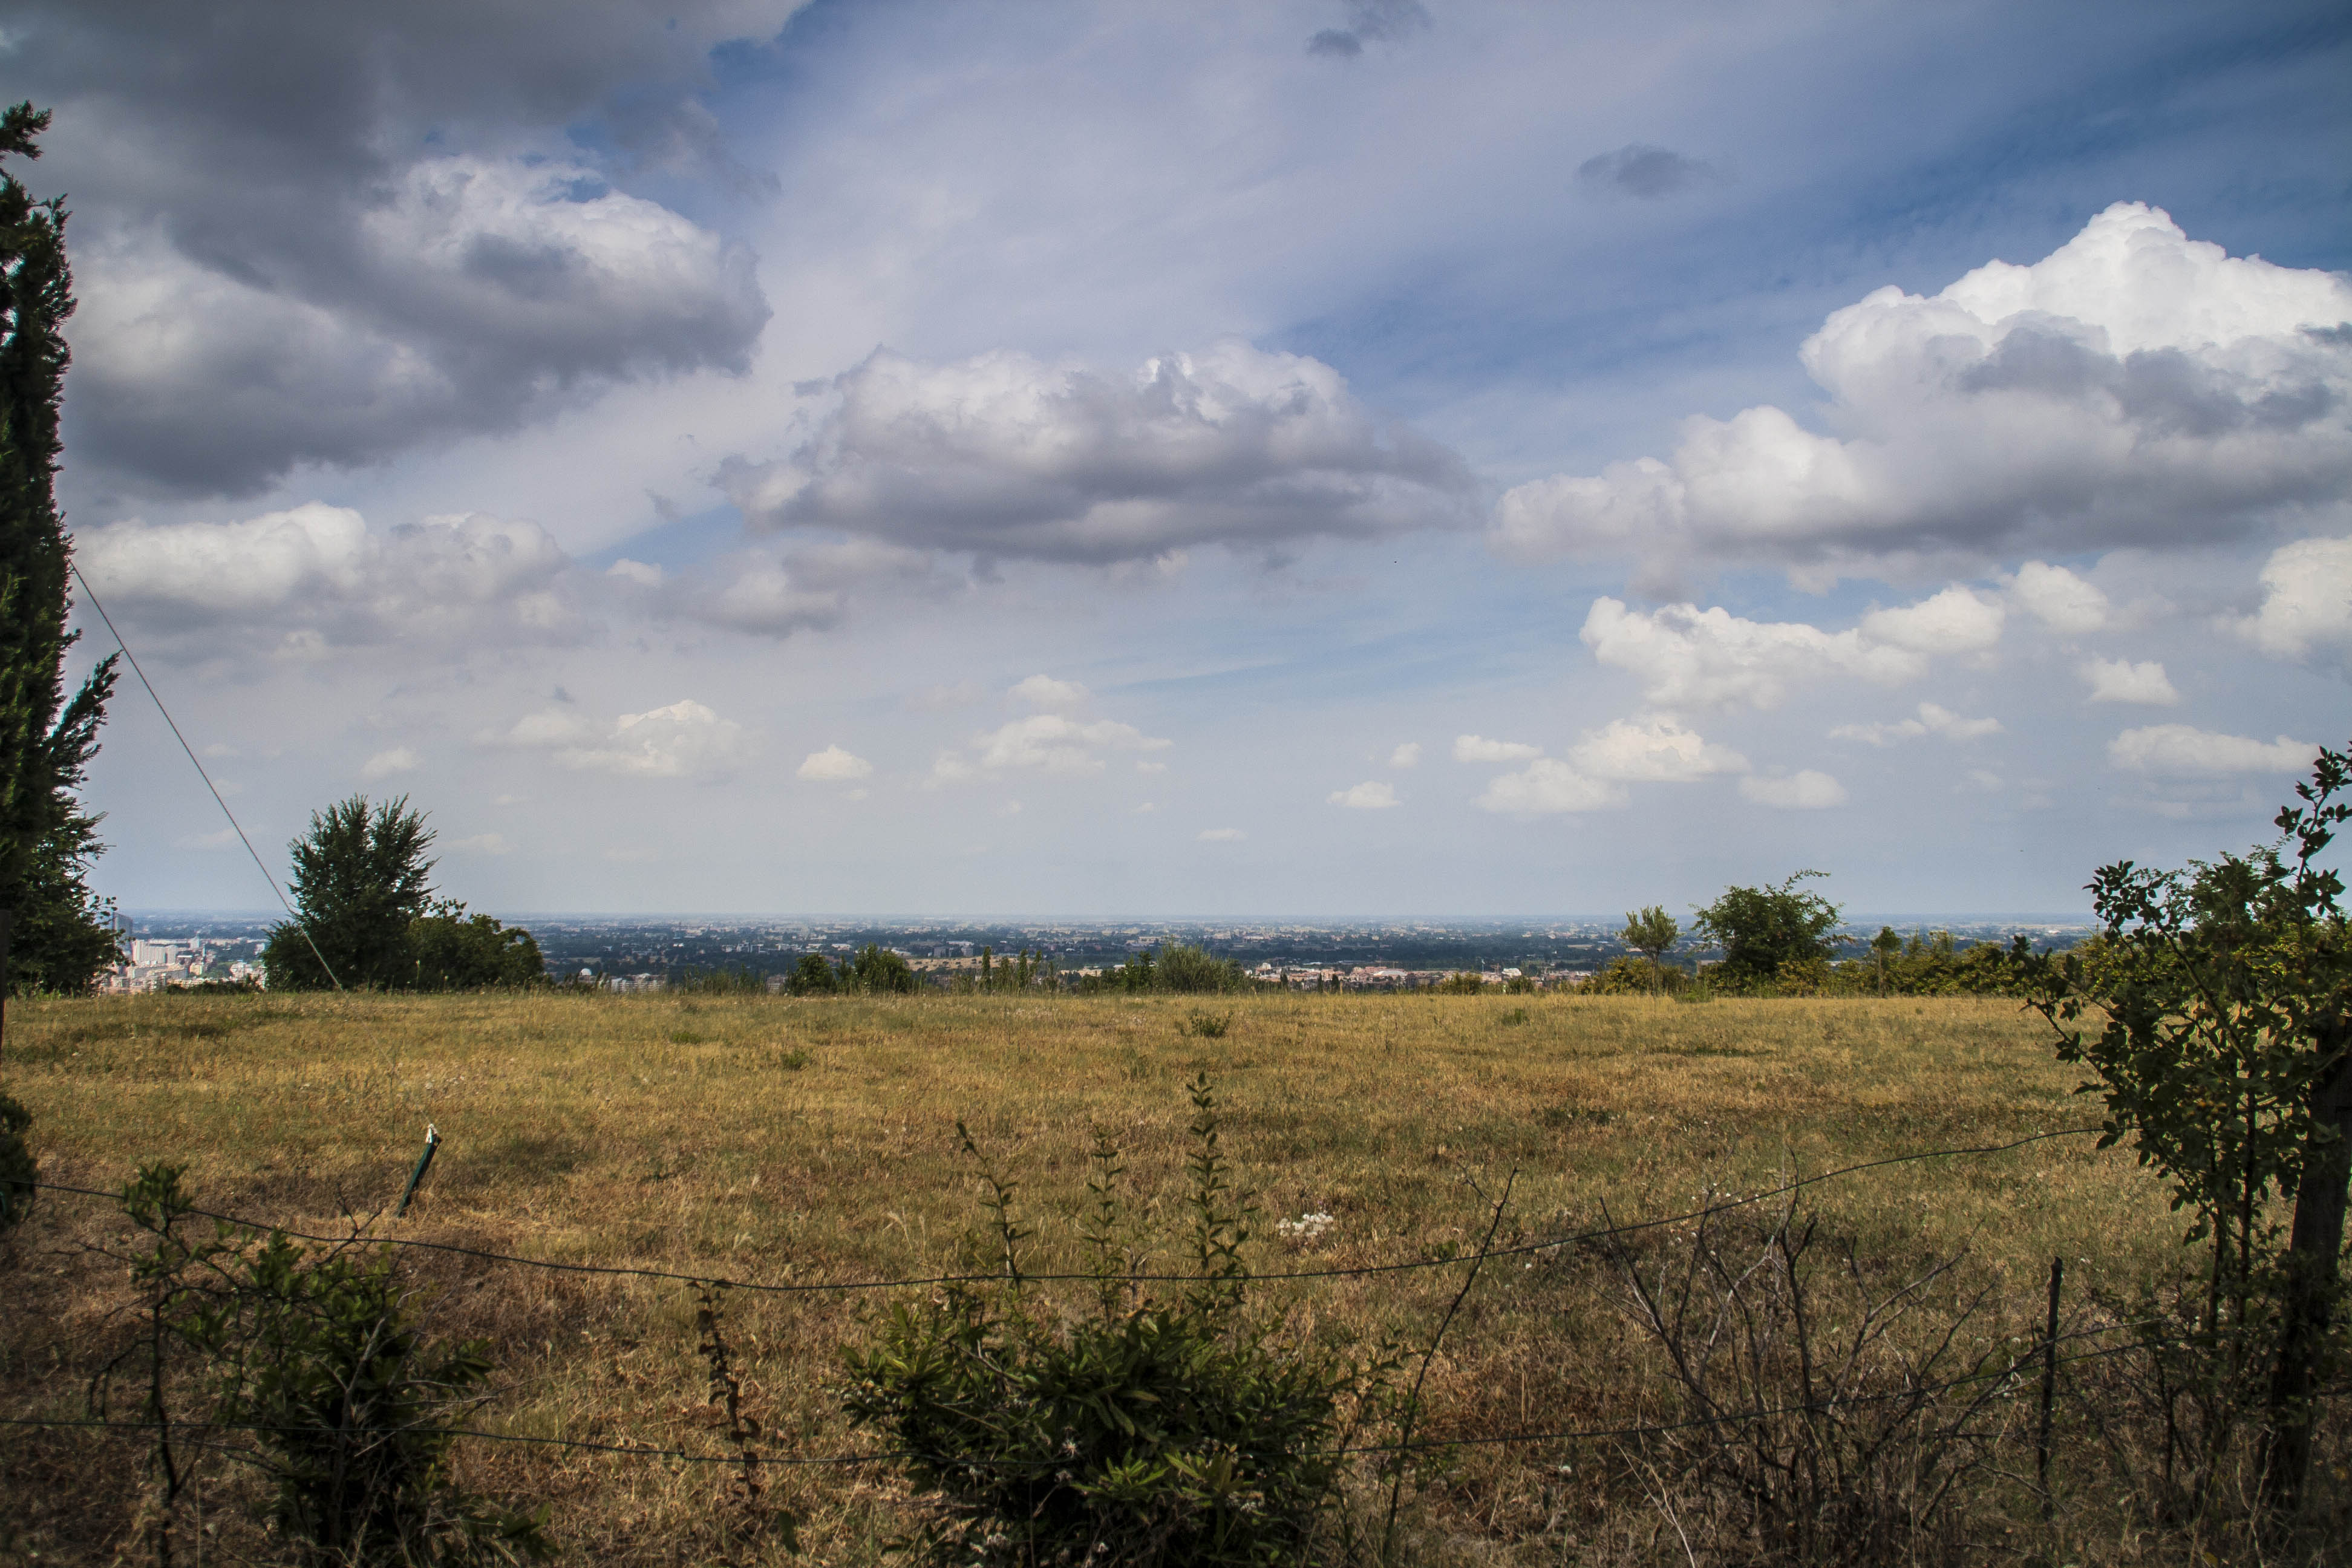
(424, 1162)
(2049, 1390)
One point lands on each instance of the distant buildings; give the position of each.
(160, 965)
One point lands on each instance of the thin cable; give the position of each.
(1503, 1439)
(1360, 1271)
(152, 696)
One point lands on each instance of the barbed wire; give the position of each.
(2016, 1369)
(817, 1286)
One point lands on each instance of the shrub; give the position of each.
(1190, 970)
(338, 1400)
(1142, 1431)
(813, 976)
(18, 1169)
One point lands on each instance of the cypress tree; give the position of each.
(64, 934)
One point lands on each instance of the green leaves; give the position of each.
(359, 878)
(1143, 1432)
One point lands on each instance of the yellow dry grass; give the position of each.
(812, 1141)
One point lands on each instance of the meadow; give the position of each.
(785, 1140)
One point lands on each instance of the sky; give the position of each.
(1356, 458)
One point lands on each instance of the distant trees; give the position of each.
(453, 950)
(874, 969)
(1649, 932)
(1766, 930)
(62, 933)
(365, 916)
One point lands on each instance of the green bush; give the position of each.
(314, 1362)
(457, 951)
(1192, 969)
(1141, 1431)
(18, 1169)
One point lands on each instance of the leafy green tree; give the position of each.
(1885, 949)
(2217, 1014)
(878, 970)
(457, 951)
(360, 881)
(813, 976)
(1762, 929)
(1649, 932)
(46, 739)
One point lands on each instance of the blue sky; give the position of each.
(1350, 456)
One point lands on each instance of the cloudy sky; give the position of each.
(1316, 457)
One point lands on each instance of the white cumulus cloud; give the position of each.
(383, 764)
(320, 570)
(2133, 387)
(2306, 601)
(1804, 791)
(2121, 680)
(2180, 750)
(1657, 748)
(1547, 786)
(684, 739)
(1688, 657)
(1932, 720)
(1004, 456)
(1406, 755)
(1222, 836)
(834, 765)
(2059, 599)
(1044, 742)
(1370, 795)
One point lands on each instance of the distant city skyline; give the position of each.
(1124, 459)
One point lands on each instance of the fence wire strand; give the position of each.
(817, 1286)
(1418, 1445)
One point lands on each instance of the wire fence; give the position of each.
(1364, 1270)
(2019, 1366)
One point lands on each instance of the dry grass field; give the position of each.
(813, 1141)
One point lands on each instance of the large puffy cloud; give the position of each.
(2306, 609)
(1688, 657)
(315, 235)
(2134, 386)
(319, 570)
(1004, 456)
(472, 295)
(2122, 680)
(683, 740)
(2181, 750)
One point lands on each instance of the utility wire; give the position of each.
(218, 800)
(817, 1287)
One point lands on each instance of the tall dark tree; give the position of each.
(360, 880)
(63, 935)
